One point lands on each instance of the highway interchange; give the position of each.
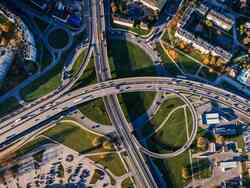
(32, 117)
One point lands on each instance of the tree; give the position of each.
(219, 140)
(97, 141)
(185, 173)
(114, 8)
(107, 145)
(202, 143)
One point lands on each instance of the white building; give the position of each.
(212, 118)
(123, 22)
(200, 44)
(244, 77)
(220, 20)
(226, 165)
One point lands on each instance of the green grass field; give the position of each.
(171, 169)
(95, 110)
(88, 77)
(127, 183)
(41, 24)
(68, 134)
(136, 29)
(127, 59)
(173, 134)
(171, 68)
(135, 104)
(166, 107)
(78, 62)
(111, 162)
(9, 105)
(74, 137)
(188, 65)
(43, 85)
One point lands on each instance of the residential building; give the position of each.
(123, 21)
(220, 20)
(244, 77)
(211, 118)
(226, 165)
(156, 5)
(203, 45)
(226, 130)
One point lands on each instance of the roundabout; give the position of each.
(59, 38)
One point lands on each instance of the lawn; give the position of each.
(41, 24)
(9, 105)
(79, 61)
(127, 59)
(135, 104)
(127, 183)
(95, 110)
(74, 137)
(136, 29)
(108, 162)
(173, 134)
(88, 77)
(58, 38)
(188, 65)
(46, 57)
(170, 67)
(201, 168)
(43, 85)
(46, 84)
(171, 169)
(166, 107)
(68, 134)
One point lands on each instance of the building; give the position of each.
(203, 45)
(226, 165)
(155, 5)
(211, 118)
(220, 20)
(123, 21)
(244, 77)
(226, 130)
(6, 59)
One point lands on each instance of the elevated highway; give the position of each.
(37, 114)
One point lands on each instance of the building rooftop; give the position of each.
(244, 77)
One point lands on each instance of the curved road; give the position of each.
(11, 129)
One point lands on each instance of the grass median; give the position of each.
(70, 135)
